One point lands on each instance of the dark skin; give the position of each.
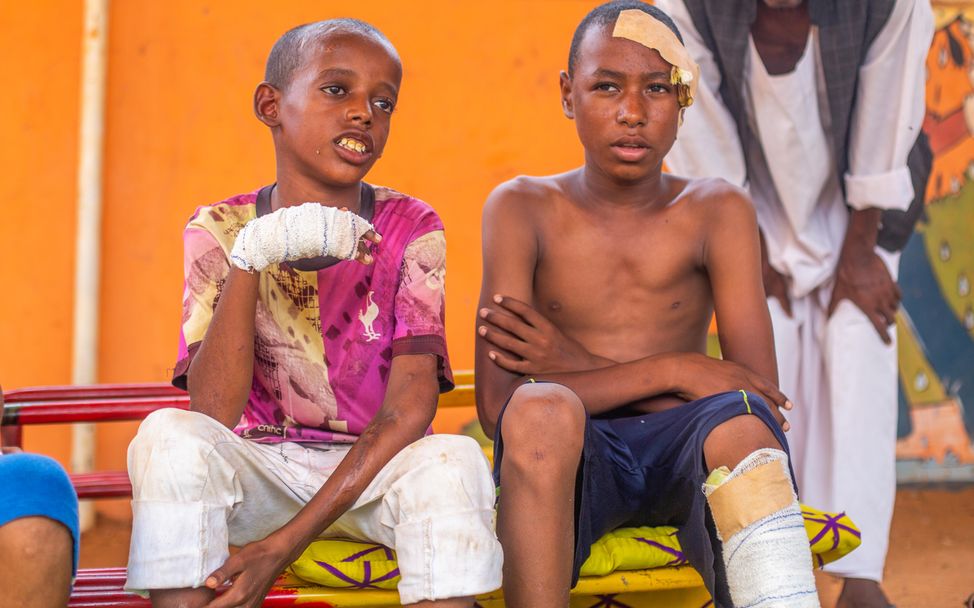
(780, 33)
(346, 87)
(37, 557)
(604, 279)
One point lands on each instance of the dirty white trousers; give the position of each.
(197, 487)
(842, 379)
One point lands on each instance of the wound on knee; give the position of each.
(758, 487)
(760, 526)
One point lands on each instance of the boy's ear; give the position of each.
(267, 104)
(565, 82)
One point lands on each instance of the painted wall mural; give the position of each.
(936, 323)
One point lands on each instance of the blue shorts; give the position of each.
(32, 485)
(648, 470)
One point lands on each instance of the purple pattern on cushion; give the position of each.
(831, 525)
(609, 601)
(367, 583)
(679, 558)
(364, 552)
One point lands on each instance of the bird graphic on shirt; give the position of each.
(367, 317)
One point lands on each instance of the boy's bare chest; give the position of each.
(619, 277)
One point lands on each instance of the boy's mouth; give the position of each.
(631, 150)
(350, 143)
(354, 147)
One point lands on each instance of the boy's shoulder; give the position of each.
(713, 198)
(527, 194)
(401, 203)
(533, 187)
(403, 213)
(236, 210)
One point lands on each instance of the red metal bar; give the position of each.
(102, 484)
(93, 391)
(100, 576)
(119, 599)
(89, 410)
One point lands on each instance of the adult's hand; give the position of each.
(775, 285)
(528, 343)
(251, 572)
(699, 376)
(863, 279)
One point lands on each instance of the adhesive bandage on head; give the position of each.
(760, 525)
(642, 28)
(296, 233)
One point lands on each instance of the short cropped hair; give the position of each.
(607, 13)
(287, 54)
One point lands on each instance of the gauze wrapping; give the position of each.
(760, 525)
(295, 233)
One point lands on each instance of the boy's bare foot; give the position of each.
(862, 593)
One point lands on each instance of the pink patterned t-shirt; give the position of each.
(325, 339)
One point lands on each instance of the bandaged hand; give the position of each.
(304, 231)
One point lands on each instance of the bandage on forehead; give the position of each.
(752, 492)
(643, 28)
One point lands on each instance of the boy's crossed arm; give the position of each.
(518, 341)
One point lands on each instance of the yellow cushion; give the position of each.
(357, 565)
(348, 564)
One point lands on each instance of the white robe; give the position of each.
(837, 371)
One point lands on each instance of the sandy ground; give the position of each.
(930, 565)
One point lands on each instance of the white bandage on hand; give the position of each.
(759, 522)
(296, 233)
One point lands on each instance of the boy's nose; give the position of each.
(359, 112)
(631, 113)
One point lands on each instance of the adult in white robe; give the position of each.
(836, 356)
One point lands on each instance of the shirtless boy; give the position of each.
(598, 288)
(313, 350)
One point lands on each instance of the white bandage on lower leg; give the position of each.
(296, 233)
(759, 522)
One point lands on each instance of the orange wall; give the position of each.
(38, 155)
(479, 105)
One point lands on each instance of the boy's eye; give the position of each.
(659, 88)
(333, 89)
(606, 87)
(386, 105)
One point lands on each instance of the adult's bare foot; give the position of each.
(862, 593)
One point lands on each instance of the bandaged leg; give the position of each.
(759, 523)
(296, 233)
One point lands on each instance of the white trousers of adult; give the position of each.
(197, 487)
(842, 379)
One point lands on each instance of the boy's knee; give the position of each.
(733, 440)
(443, 475)
(441, 463)
(172, 450)
(543, 411)
(38, 541)
(173, 427)
(543, 419)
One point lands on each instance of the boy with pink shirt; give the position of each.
(313, 350)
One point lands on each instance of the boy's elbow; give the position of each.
(488, 424)
(204, 398)
(488, 410)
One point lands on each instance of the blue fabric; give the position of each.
(32, 485)
(648, 470)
